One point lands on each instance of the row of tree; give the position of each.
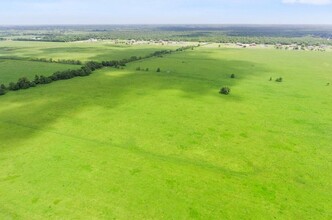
(247, 35)
(85, 70)
(25, 83)
(63, 61)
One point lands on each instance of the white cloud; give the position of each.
(308, 2)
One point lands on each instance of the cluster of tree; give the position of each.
(63, 61)
(186, 48)
(120, 63)
(142, 69)
(159, 53)
(280, 79)
(25, 83)
(85, 70)
(206, 33)
(2, 89)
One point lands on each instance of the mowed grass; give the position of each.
(125, 144)
(83, 51)
(12, 70)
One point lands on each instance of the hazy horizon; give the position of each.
(165, 24)
(170, 12)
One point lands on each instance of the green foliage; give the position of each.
(225, 90)
(285, 35)
(23, 83)
(158, 70)
(85, 70)
(280, 79)
(2, 91)
(233, 76)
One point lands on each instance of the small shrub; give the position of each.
(158, 70)
(279, 79)
(233, 76)
(138, 68)
(271, 78)
(328, 84)
(225, 90)
(147, 69)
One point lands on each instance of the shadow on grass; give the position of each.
(32, 112)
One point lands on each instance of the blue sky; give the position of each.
(165, 12)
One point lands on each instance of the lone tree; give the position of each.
(158, 70)
(233, 76)
(225, 90)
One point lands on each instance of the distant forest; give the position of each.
(262, 34)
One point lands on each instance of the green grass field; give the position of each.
(83, 51)
(125, 144)
(12, 70)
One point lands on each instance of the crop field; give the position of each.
(128, 144)
(83, 51)
(12, 70)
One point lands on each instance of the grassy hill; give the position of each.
(130, 144)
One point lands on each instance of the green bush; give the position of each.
(233, 76)
(2, 91)
(225, 90)
(279, 79)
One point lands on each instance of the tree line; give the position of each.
(62, 61)
(85, 70)
(25, 83)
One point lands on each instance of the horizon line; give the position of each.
(171, 24)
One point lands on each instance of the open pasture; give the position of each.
(129, 144)
(83, 51)
(12, 70)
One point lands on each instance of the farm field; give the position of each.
(12, 70)
(83, 51)
(129, 144)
